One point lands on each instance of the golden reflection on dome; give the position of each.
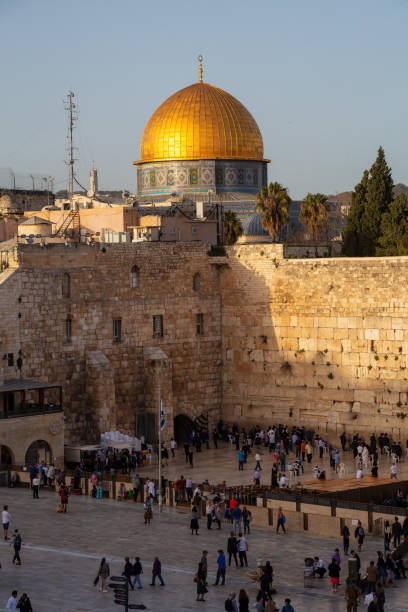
(201, 122)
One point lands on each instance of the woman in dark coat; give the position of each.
(200, 579)
(243, 601)
(194, 526)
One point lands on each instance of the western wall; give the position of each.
(319, 342)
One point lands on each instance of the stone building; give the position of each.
(18, 201)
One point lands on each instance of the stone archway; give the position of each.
(183, 426)
(6, 456)
(38, 451)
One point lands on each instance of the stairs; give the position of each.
(72, 218)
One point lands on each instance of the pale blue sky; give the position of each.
(326, 81)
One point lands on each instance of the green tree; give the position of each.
(394, 228)
(352, 229)
(314, 214)
(232, 227)
(371, 200)
(273, 202)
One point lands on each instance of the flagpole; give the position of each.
(160, 458)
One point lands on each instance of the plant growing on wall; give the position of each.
(286, 367)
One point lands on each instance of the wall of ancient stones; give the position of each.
(107, 383)
(323, 342)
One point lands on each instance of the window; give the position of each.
(66, 285)
(134, 277)
(68, 330)
(10, 360)
(196, 282)
(117, 330)
(194, 229)
(172, 229)
(200, 324)
(157, 326)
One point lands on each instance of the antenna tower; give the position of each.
(73, 113)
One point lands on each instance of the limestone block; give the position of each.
(364, 395)
(372, 334)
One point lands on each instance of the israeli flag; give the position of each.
(161, 415)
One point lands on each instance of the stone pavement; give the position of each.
(222, 463)
(61, 555)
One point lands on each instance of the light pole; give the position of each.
(48, 180)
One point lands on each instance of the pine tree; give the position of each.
(394, 228)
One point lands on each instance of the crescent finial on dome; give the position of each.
(200, 68)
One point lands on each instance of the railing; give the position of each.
(30, 410)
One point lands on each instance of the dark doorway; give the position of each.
(146, 426)
(38, 451)
(6, 456)
(183, 426)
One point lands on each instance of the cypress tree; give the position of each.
(378, 200)
(352, 229)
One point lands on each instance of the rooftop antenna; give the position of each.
(72, 110)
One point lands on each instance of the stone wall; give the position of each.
(107, 383)
(24, 199)
(322, 342)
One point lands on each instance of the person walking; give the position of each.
(200, 579)
(148, 513)
(232, 549)
(281, 520)
(103, 574)
(359, 535)
(241, 459)
(156, 572)
(243, 601)
(373, 575)
(309, 451)
(24, 604)
(204, 562)
(5, 519)
(393, 470)
(136, 486)
(36, 486)
(242, 550)
(352, 595)
(17, 542)
(128, 572)
(194, 526)
(346, 539)
(236, 514)
(334, 573)
(222, 566)
(208, 513)
(396, 532)
(137, 572)
(246, 519)
(63, 493)
(12, 601)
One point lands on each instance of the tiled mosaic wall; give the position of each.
(221, 175)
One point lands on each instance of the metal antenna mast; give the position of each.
(73, 113)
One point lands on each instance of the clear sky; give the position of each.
(325, 80)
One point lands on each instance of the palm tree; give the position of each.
(273, 202)
(314, 214)
(232, 227)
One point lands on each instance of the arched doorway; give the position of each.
(183, 426)
(6, 456)
(38, 451)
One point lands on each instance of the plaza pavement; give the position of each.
(61, 555)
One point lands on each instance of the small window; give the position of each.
(172, 229)
(134, 278)
(10, 360)
(66, 285)
(194, 229)
(117, 330)
(200, 324)
(157, 326)
(196, 282)
(68, 330)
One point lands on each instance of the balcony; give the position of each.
(23, 397)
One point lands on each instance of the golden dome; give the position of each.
(201, 122)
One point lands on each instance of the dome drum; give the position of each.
(157, 178)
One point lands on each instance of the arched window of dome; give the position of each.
(196, 282)
(134, 277)
(66, 285)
